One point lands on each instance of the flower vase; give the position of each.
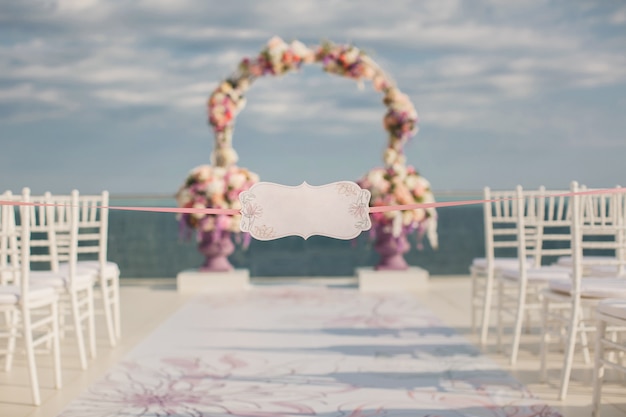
(216, 246)
(391, 250)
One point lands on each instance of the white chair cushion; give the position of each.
(110, 268)
(613, 307)
(60, 279)
(11, 294)
(567, 260)
(542, 274)
(605, 270)
(499, 263)
(7, 275)
(593, 287)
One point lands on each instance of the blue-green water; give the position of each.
(148, 245)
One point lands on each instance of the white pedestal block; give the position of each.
(413, 279)
(194, 281)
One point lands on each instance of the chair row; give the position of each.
(53, 273)
(585, 231)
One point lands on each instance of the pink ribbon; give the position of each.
(382, 209)
(378, 209)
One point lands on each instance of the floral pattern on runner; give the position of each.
(286, 351)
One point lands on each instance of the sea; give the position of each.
(150, 245)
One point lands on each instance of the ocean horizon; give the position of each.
(150, 245)
(169, 200)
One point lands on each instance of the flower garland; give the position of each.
(278, 58)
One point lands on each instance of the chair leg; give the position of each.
(622, 375)
(598, 370)
(569, 349)
(584, 342)
(91, 323)
(618, 357)
(500, 323)
(527, 322)
(56, 348)
(473, 279)
(62, 318)
(519, 320)
(116, 308)
(108, 313)
(487, 307)
(30, 356)
(80, 341)
(545, 339)
(12, 319)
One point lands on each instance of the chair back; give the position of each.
(602, 228)
(542, 226)
(54, 218)
(555, 224)
(92, 216)
(49, 218)
(9, 259)
(502, 213)
(8, 239)
(15, 243)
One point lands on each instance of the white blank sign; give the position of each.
(339, 210)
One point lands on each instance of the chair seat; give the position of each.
(593, 287)
(587, 260)
(110, 268)
(542, 274)
(7, 275)
(11, 294)
(499, 263)
(613, 307)
(606, 270)
(60, 279)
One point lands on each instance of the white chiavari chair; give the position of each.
(93, 227)
(56, 220)
(30, 311)
(568, 304)
(610, 351)
(519, 288)
(610, 313)
(594, 262)
(500, 222)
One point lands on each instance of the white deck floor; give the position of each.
(147, 303)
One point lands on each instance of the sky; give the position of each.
(111, 94)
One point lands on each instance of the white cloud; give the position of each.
(121, 74)
(214, 33)
(184, 96)
(77, 5)
(167, 6)
(589, 69)
(447, 98)
(444, 118)
(468, 35)
(619, 17)
(514, 85)
(128, 97)
(82, 10)
(462, 66)
(36, 104)
(27, 92)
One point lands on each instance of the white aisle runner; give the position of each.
(306, 351)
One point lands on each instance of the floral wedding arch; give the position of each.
(219, 184)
